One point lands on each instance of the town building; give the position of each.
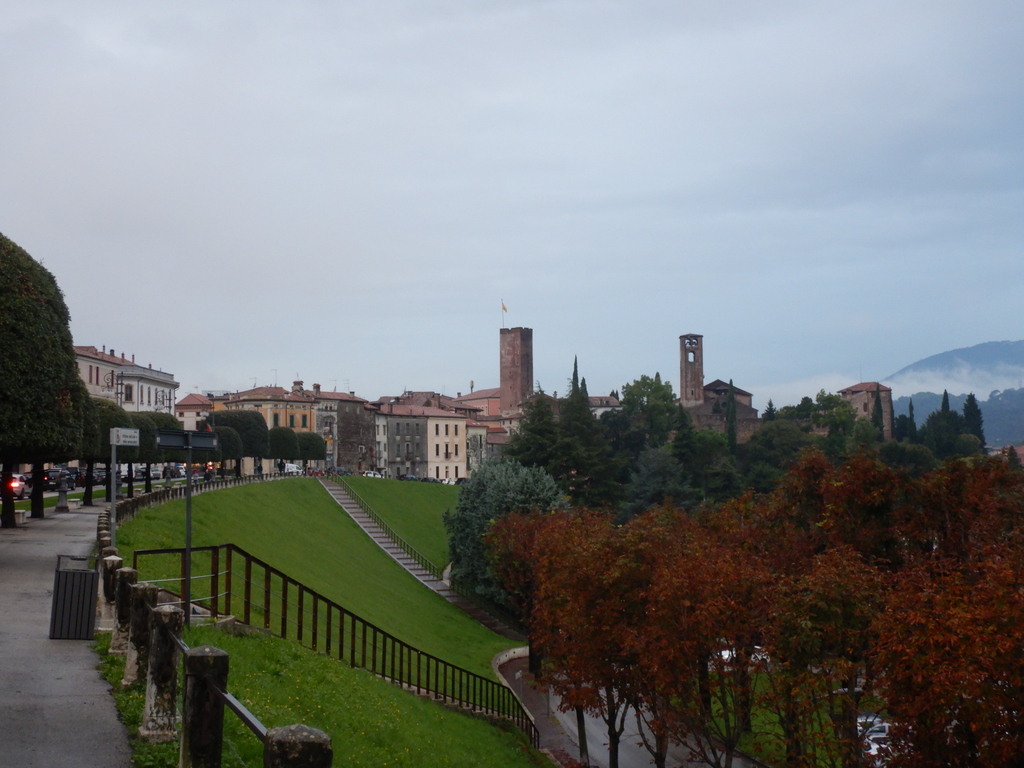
(132, 386)
(862, 398)
(192, 409)
(278, 406)
(707, 404)
(419, 440)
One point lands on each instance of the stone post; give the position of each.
(292, 746)
(202, 709)
(143, 601)
(122, 609)
(159, 713)
(111, 565)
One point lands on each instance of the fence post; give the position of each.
(124, 579)
(297, 746)
(143, 600)
(160, 710)
(111, 564)
(202, 709)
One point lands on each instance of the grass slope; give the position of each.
(370, 722)
(413, 510)
(297, 527)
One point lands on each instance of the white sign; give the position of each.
(121, 436)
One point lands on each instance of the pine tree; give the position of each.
(945, 402)
(533, 443)
(911, 424)
(769, 412)
(973, 419)
(1012, 458)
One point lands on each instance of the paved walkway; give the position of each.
(55, 709)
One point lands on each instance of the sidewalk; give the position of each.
(55, 709)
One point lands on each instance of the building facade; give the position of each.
(132, 386)
(862, 397)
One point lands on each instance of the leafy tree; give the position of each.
(803, 410)
(650, 406)
(495, 489)
(712, 469)
(283, 443)
(147, 452)
(311, 447)
(251, 427)
(771, 450)
(42, 397)
(941, 430)
(973, 421)
(769, 412)
(231, 448)
(532, 444)
(110, 415)
(913, 458)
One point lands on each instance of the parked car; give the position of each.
(20, 487)
(52, 478)
(372, 473)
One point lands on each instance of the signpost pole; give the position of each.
(188, 531)
(113, 492)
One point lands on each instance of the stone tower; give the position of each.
(691, 370)
(516, 368)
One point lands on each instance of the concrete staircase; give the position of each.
(374, 531)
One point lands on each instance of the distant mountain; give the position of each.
(993, 371)
(982, 369)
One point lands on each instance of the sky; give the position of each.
(246, 193)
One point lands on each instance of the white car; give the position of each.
(20, 487)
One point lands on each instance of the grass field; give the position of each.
(297, 527)
(413, 510)
(370, 722)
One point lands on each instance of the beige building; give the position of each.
(862, 398)
(132, 386)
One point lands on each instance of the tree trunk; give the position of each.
(6, 498)
(149, 477)
(110, 482)
(131, 479)
(581, 734)
(38, 489)
(89, 479)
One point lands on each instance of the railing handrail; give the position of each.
(481, 686)
(435, 570)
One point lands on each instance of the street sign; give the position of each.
(180, 438)
(122, 436)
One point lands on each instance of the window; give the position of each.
(90, 374)
(291, 421)
(437, 472)
(437, 449)
(456, 471)
(277, 420)
(128, 393)
(303, 419)
(456, 430)
(456, 449)
(437, 429)
(407, 452)
(149, 395)
(417, 427)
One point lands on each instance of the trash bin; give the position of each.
(73, 612)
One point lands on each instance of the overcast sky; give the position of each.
(244, 192)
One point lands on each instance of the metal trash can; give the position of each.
(75, 586)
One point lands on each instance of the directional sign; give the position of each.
(180, 438)
(121, 436)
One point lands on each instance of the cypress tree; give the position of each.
(973, 419)
(911, 424)
(730, 418)
(877, 419)
(945, 402)
(1012, 459)
(769, 412)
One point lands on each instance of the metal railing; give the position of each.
(260, 595)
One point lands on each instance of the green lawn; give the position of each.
(296, 527)
(413, 510)
(370, 722)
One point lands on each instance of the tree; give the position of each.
(877, 417)
(251, 427)
(730, 418)
(42, 397)
(658, 479)
(532, 444)
(311, 447)
(973, 421)
(109, 416)
(147, 452)
(582, 463)
(771, 450)
(283, 443)
(495, 489)
(1012, 458)
(650, 407)
(769, 412)
(231, 448)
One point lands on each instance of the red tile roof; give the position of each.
(866, 386)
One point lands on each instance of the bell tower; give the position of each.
(691, 370)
